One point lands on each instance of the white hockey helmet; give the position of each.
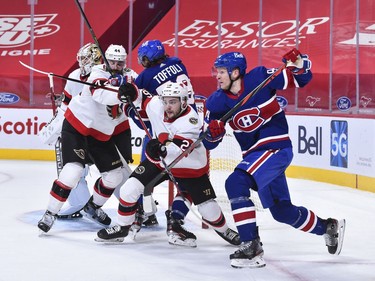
(87, 57)
(116, 53)
(178, 90)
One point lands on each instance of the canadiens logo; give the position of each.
(248, 120)
(15, 30)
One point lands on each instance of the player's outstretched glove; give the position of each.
(154, 150)
(215, 130)
(127, 91)
(296, 62)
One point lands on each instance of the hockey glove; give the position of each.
(296, 62)
(117, 80)
(128, 91)
(215, 131)
(154, 150)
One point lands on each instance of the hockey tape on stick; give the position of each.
(149, 187)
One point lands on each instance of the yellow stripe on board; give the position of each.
(298, 172)
(38, 154)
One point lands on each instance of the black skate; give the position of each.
(114, 234)
(250, 254)
(76, 215)
(151, 221)
(46, 221)
(334, 236)
(231, 236)
(137, 224)
(96, 213)
(177, 234)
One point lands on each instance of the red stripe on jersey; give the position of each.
(122, 127)
(310, 223)
(260, 161)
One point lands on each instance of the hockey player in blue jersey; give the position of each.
(260, 127)
(159, 69)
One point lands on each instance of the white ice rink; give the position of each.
(69, 251)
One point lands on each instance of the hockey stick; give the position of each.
(58, 152)
(111, 71)
(150, 185)
(49, 74)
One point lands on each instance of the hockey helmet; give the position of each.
(116, 53)
(151, 50)
(178, 90)
(87, 57)
(231, 61)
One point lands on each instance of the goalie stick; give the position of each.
(58, 152)
(150, 185)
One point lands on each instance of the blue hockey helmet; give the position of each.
(232, 61)
(152, 50)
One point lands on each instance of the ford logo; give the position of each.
(283, 102)
(8, 98)
(343, 103)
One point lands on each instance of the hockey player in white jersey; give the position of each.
(175, 126)
(87, 56)
(92, 132)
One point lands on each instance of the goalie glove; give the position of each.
(296, 62)
(215, 131)
(52, 130)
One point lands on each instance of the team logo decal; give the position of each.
(248, 120)
(80, 153)
(311, 101)
(193, 120)
(139, 170)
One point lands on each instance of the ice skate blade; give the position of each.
(256, 262)
(341, 232)
(177, 241)
(119, 240)
(89, 217)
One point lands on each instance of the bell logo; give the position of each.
(15, 30)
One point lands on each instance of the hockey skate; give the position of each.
(177, 234)
(46, 221)
(137, 224)
(249, 255)
(96, 213)
(114, 234)
(334, 235)
(231, 236)
(151, 221)
(76, 215)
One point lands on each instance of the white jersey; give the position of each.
(181, 132)
(87, 112)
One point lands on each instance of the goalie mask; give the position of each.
(176, 90)
(88, 56)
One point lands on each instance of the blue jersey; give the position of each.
(154, 78)
(259, 124)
